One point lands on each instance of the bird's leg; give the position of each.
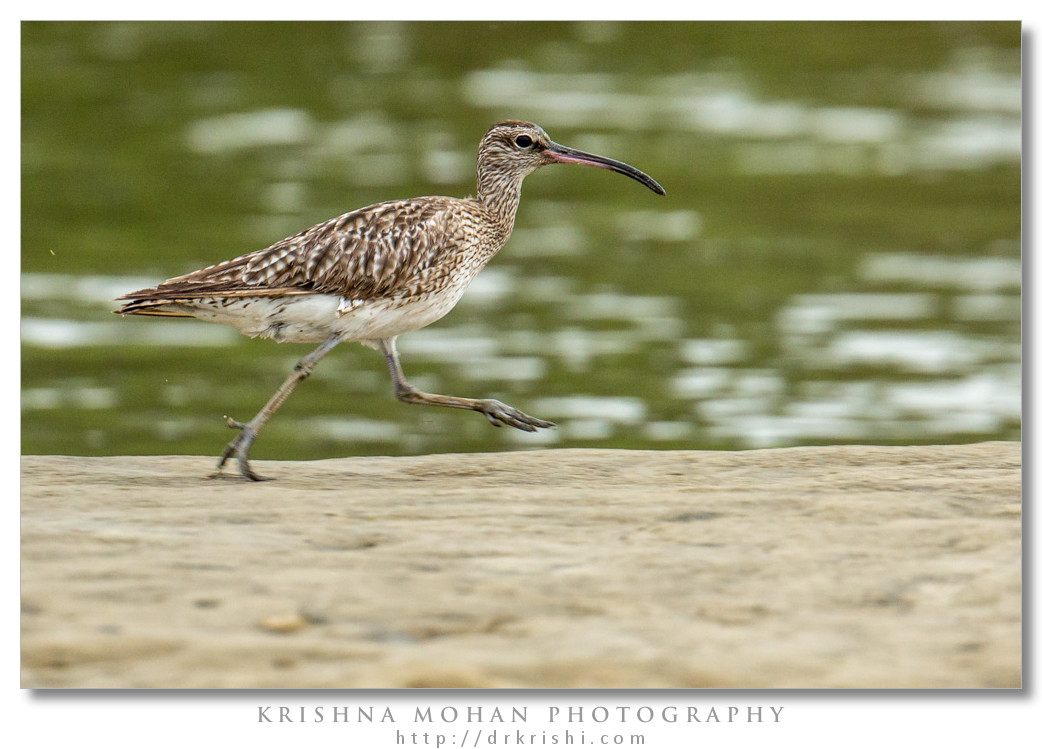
(240, 446)
(496, 412)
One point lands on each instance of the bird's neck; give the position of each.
(500, 194)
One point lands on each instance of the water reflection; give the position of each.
(789, 136)
(268, 127)
(838, 258)
(969, 273)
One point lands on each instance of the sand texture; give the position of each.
(799, 567)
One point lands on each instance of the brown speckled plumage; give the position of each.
(385, 248)
(372, 274)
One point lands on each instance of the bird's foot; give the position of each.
(500, 414)
(240, 449)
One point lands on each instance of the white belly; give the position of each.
(312, 318)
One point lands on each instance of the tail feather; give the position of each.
(150, 302)
(175, 299)
(149, 309)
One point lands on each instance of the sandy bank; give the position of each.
(802, 567)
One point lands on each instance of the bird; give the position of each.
(371, 275)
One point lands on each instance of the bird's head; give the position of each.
(516, 149)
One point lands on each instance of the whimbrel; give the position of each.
(371, 275)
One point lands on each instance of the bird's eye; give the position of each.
(523, 141)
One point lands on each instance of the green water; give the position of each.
(837, 258)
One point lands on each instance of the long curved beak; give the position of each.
(566, 155)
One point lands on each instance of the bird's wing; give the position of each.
(370, 252)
